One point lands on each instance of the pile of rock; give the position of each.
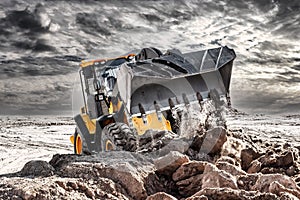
(273, 160)
(216, 165)
(221, 180)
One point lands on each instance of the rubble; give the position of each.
(225, 166)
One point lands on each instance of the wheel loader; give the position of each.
(124, 97)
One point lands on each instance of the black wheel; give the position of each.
(118, 137)
(80, 146)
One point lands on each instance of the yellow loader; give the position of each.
(128, 95)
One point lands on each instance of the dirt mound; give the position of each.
(234, 167)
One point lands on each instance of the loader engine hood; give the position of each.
(174, 76)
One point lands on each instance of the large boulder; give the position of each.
(247, 156)
(188, 177)
(215, 178)
(169, 163)
(188, 170)
(190, 186)
(214, 140)
(180, 145)
(285, 160)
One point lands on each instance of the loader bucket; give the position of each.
(175, 78)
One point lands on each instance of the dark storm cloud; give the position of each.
(37, 66)
(296, 67)
(26, 19)
(21, 30)
(287, 17)
(288, 77)
(285, 6)
(89, 24)
(38, 45)
(41, 41)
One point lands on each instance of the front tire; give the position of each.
(118, 137)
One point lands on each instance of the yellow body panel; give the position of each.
(152, 123)
(113, 108)
(90, 124)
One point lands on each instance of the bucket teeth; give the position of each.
(177, 101)
(156, 106)
(141, 108)
(143, 113)
(228, 100)
(200, 100)
(144, 118)
(185, 99)
(171, 103)
(199, 97)
(172, 108)
(158, 111)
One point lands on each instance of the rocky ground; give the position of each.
(256, 157)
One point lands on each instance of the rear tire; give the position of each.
(118, 137)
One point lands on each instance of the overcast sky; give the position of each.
(41, 43)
